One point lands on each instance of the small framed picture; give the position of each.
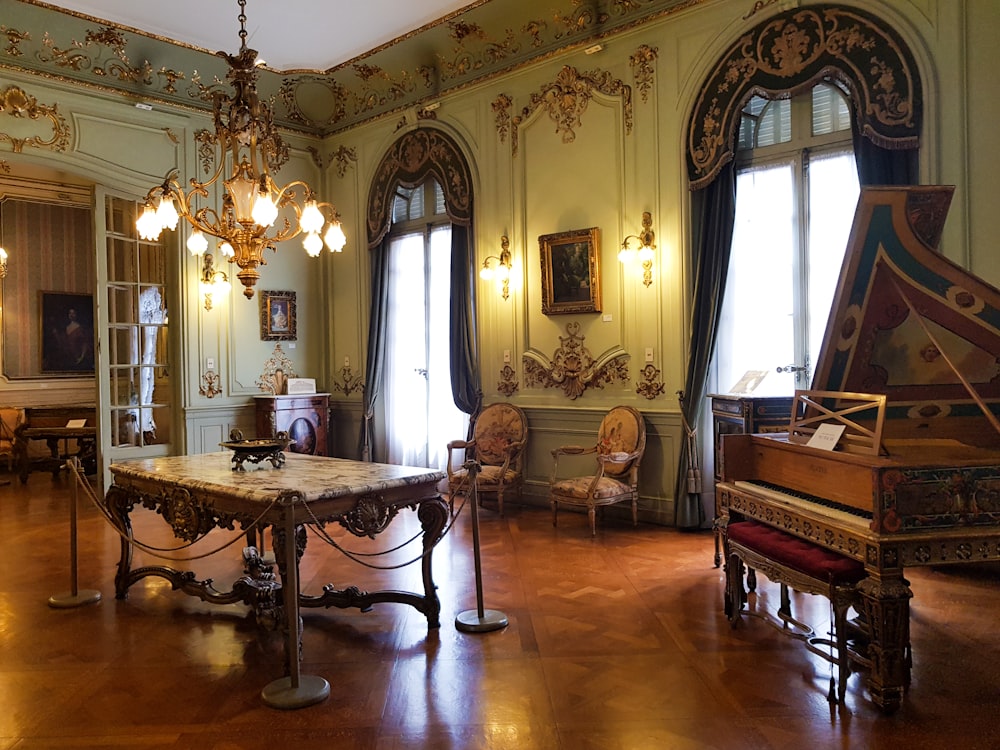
(277, 316)
(571, 271)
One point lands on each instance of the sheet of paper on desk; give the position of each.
(749, 382)
(826, 436)
(77, 423)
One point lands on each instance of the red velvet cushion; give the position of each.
(798, 554)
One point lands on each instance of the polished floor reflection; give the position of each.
(617, 642)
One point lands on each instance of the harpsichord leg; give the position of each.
(885, 602)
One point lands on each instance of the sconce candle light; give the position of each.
(645, 251)
(502, 270)
(213, 281)
(3, 263)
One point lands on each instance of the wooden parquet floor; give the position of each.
(617, 643)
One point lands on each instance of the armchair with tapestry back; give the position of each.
(499, 436)
(621, 441)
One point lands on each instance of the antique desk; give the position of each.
(48, 423)
(195, 494)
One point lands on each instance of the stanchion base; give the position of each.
(68, 600)
(470, 621)
(281, 694)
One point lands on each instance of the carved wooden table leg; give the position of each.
(119, 503)
(433, 515)
(885, 603)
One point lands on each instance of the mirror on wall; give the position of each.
(48, 312)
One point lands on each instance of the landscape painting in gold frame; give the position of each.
(571, 271)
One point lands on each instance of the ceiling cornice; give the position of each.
(474, 45)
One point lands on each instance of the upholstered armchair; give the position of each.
(499, 436)
(621, 441)
(10, 419)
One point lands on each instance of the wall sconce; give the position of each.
(502, 270)
(645, 250)
(212, 281)
(3, 263)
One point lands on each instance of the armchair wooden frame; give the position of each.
(499, 436)
(618, 452)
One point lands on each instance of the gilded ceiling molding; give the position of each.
(572, 367)
(642, 68)
(87, 55)
(408, 162)
(501, 113)
(289, 91)
(14, 39)
(566, 99)
(474, 50)
(343, 157)
(791, 52)
(758, 7)
(14, 102)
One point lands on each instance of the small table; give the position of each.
(195, 494)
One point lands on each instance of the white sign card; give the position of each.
(749, 382)
(826, 436)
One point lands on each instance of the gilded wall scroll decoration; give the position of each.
(14, 39)
(206, 149)
(408, 162)
(474, 49)
(793, 51)
(642, 68)
(573, 368)
(501, 115)
(14, 102)
(650, 386)
(343, 157)
(566, 99)
(508, 381)
(350, 382)
(277, 368)
(209, 387)
(87, 55)
(581, 18)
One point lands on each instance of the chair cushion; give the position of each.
(797, 554)
(577, 488)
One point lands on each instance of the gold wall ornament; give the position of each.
(507, 384)
(642, 68)
(14, 102)
(501, 115)
(758, 7)
(565, 100)
(209, 387)
(650, 386)
(573, 368)
(206, 149)
(14, 39)
(344, 157)
(349, 381)
(277, 369)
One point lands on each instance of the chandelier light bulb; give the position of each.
(335, 238)
(313, 244)
(166, 214)
(148, 225)
(226, 250)
(312, 218)
(196, 243)
(264, 211)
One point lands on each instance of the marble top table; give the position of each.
(195, 494)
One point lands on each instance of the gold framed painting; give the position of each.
(277, 316)
(571, 271)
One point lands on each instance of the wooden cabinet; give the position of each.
(736, 415)
(305, 417)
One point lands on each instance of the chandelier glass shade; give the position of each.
(250, 219)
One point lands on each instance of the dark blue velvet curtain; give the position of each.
(466, 387)
(375, 361)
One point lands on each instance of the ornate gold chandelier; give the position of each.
(249, 142)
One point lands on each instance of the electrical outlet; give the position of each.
(210, 363)
(649, 354)
(506, 356)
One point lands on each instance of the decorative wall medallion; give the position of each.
(209, 387)
(566, 99)
(572, 367)
(206, 149)
(343, 157)
(642, 69)
(650, 386)
(14, 102)
(349, 381)
(14, 39)
(508, 381)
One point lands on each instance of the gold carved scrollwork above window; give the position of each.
(791, 52)
(573, 368)
(15, 103)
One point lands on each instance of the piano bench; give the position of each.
(803, 566)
